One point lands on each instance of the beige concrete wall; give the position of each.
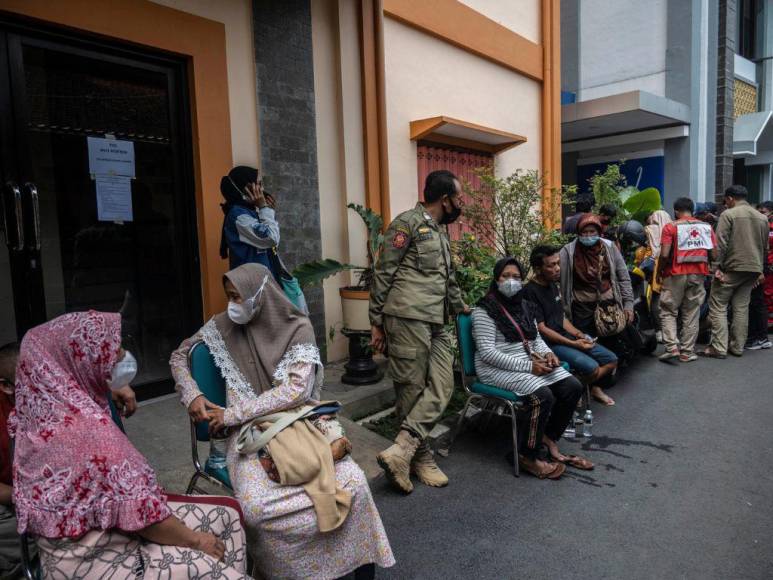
(340, 154)
(242, 100)
(521, 16)
(426, 77)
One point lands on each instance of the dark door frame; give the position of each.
(16, 166)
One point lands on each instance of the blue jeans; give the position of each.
(584, 362)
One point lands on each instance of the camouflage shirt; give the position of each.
(414, 277)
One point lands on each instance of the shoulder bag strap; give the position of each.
(518, 328)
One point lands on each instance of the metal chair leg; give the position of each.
(462, 417)
(28, 566)
(192, 484)
(514, 421)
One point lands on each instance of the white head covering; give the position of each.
(657, 221)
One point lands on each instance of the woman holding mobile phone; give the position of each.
(250, 230)
(511, 355)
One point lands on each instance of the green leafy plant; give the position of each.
(474, 265)
(315, 272)
(642, 203)
(504, 213)
(610, 187)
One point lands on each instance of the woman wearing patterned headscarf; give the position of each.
(265, 350)
(81, 487)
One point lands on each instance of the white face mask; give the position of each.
(510, 287)
(244, 312)
(124, 371)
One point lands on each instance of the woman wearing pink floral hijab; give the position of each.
(81, 487)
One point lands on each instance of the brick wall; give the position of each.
(288, 143)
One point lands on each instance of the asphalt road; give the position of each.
(682, 489)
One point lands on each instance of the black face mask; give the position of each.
(450, 217)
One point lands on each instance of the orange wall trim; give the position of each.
(202, 41)
(374, 108)
(470, 30)
(551, 110)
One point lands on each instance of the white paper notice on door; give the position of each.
(114, 198)
(110, 157)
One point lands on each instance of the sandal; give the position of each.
(577, 462)
(555, 473)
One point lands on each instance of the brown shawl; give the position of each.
(588, 260)
(258, 346)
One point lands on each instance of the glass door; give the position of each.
(80, 236)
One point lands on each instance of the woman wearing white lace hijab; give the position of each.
(266, 352)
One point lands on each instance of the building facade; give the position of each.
(337, 102)
(678, 91)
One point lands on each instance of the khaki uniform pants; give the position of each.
(421, 364)
(735, 292)
(685, 292)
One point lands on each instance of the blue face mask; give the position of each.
(589, 240)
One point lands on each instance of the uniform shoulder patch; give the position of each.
(400, 239)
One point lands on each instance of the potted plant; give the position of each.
(361, 369)
(354, 299)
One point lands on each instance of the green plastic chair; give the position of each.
(212, 386)
(480, 394)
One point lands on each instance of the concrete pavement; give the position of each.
(682, 486)
(682, 489)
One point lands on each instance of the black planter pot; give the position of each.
(361, 368)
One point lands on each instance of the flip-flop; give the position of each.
(577, 462)
(557, 471)
(610, 403)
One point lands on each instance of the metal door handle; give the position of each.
(33, 191)
(17, 209)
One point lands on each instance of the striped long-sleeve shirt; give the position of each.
(506, 364)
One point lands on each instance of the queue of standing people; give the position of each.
(302, 508)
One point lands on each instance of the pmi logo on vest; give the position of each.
(695, 237)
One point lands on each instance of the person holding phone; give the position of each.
(511, 355)
(593, 363)
(250, 230)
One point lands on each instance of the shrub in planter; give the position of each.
(354, 298)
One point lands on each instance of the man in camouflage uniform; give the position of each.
(414, 292)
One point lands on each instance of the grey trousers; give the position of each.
(735, 293)
(10, 548)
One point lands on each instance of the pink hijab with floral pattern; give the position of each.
(74, 470)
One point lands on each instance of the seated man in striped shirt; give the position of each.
(510, 354)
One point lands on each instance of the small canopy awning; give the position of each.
(618, 114)
(753, 137)
(451, 131)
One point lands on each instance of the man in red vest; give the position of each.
(685, 248)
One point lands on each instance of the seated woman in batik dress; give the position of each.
(81, 489)
(265, 349)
